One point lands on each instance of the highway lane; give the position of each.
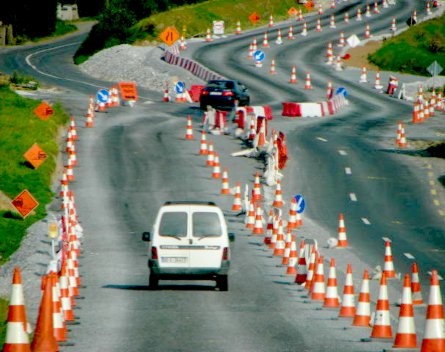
(393, 195)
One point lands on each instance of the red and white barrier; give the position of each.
(307, 109)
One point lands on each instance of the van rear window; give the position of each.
(173, 224)
(206, 224)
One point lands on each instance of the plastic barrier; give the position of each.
(291, 109)
(195, 92)
(310, 110)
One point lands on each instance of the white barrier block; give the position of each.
(311, 110)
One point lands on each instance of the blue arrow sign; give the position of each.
(301, 204)
(102, 95)
(259, 55)
(342, 91)
(180, 87)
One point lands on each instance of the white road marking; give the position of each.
(436, 202)
(386, 239)
(438, 276)
(366, 221)
(433, 191)
(342, 152)
(322, 139)
(353, 197)
(348, 171)
(409, 255)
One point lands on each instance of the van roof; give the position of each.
(189, 202)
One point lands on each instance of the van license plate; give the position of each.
(180, 260)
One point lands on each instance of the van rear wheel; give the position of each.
(222, 283)
(153, 281)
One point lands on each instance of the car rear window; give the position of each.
(173, 224)
(206, 224)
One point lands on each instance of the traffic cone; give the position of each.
(292, 222)
(225, 188)
(254, 44)
(318, 287)
(332, 4)
(332, 22)
(208, 36)
(428, 8)
(363, 76)
(59, 326)
(280, 244)
(320, 9)
(69, 172)
(329, 54)
(293, 257)
(308, 84)
(182, 43)
(287, 245)
(256, 191)
(376, 8)
(237, 204)
(258, 227)
(300, 15)
(238, 27)
(331, 299)
(358, 17)
(203, 146)
(347, 309)
(406, 332)
(341, 41)
(273, 238)
(89, 118)
(17, 339)
(301, 275)
(265, 41)
(299, 219)
(399, 132)
(388, 267)
(416, 112)
(269, 227)
(367, 31)
(166, 97)
(271, 24)
(293, 75)
(251, 51)
(304, 29)
(216, 173)
(381, 327)
(377, 83)
(73, 129)
(416, 290)
(250, 215)
(368, 11)
(311, 269)
(272, 70)
(210, 155)
(346, 17)
(65, 295)
(403, 143)
(278, 200)
(290, 33)
(393, 25)
(342, 239)
(318, 26)
(434, 334)
(414, 16)
(329, 90)
(279, 40)
(362, 315)
(44, 340)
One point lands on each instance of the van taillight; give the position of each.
(154, 253)
(225, 255)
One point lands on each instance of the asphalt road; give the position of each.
(137, 158)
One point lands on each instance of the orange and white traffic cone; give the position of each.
(416, 112)
(274, 236)
(304, 29)
(434, 333)
(166, 97)
(341, 41)
(301, 275)
(293, 258)
(358, 17)
(278, 200)
(269, 227)
(377, 84)
(318, 26)
(362, 315)
(406, 331)
(216, 172)
(208, 36)
(17, 338)
(318, 289)
(271, 23)
(280, 244)
(44, 340)
(287, 245)
(368, 11)
(258, 228)
(300, 15)
(203, 146)
(347, 309)
(416, 290)
(250, 215)
(272, 69)
(388, 267)
(65, 294)
(342, 239)
(89, 118)
(367, 32)
(279, 40)
(189, 129)
(182, 43)
(331, 299)
(293, 75)
(265, 41)
(311, 269)
(393, 25)
(399, 132)
(290, 33)
(376, 8)
(381, 327)
(332, 22)
(308, 83)
(238, 27)
(59, 326)
(237, 204)
(364, 75)
(210, 155)
(320, 9)
(69, 172)
(225, 188)
(73, 129)
(292, 221)
(256, 191)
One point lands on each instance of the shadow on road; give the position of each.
(167, 287)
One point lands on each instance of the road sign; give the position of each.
(293, 12)
(434, 69)
(180, 87)
(254, 18)
(169, 35)
(218, 27)
(301, 203)
(342, 91)
(35, 156)
(102, 95)
(259, 55)
(43, 111)
(24, 203)
(128, 91)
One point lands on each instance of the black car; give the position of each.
(222, 94)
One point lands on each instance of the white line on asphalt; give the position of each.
(348, 170)
(409, 255)
(386, 239)
(433, 191)
(353, 197)
(322, 139)
(366, 221)
(436, 202)
(342, 152)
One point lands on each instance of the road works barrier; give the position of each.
(307, 109)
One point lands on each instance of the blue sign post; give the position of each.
(258, 57)
(102, 95)
(180, 87)
(301, 203)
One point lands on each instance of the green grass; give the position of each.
(3, 319)
(20, 130)
(195, 19)
(414, 50)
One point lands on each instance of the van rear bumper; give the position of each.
(188, 273)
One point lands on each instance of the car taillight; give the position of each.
(204, 92)
(154, 253)
(228, 93)
(225, 255)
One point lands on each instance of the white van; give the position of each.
(189, 241)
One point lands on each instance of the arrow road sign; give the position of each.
(102, 95)
(301, 204)
(259, 55)
(180, 87)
